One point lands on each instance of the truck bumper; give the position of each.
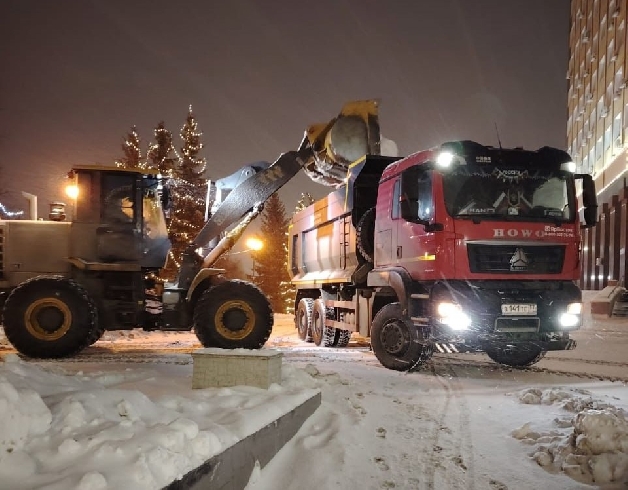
(459, 345)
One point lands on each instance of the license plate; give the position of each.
(519, 309)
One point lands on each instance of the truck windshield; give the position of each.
(489, 192)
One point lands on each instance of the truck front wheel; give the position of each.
(50, 317)
(516, 356)
(233, 315)
(396, 342)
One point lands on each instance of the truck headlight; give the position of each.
(452, 315)
(572, 316)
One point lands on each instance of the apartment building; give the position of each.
(597, 129)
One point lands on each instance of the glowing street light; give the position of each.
(254, 244)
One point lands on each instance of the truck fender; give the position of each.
(395, 277)
(200, 277)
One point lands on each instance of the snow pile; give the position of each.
(590, 444)
(62, 432)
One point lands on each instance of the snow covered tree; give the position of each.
(161, 154)
(305, 200)
(270, 270)
(6, 213)
(188, 190)
(132, 152)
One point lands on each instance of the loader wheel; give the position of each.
(50, 317)
(365, 235)
(396, 341)
(233, 315)
(322, 334)
(516, 356)
(304, 319)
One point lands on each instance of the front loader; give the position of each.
(63, 284)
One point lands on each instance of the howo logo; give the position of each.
(519, 261)
(517, 232)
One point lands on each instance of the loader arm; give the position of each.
(253, 192)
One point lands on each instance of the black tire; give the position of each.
(233, 315)
(365, 235)
(304, 319)
(96, 335)
(396, 342)
(343, 338)
(50, 317)
(516, 356)
(322, 335)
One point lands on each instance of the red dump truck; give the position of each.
(463, 247)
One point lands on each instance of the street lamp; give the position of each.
(254, 244)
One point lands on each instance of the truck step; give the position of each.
(445, 348)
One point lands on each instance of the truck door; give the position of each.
(415, 248)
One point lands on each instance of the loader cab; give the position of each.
(118, 216)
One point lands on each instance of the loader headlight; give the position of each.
(72, 191)
(451, 314)
(572, 316)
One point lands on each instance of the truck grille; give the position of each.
(513, 259)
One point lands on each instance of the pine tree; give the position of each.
(132, 152)
(161, 154)
(270, 270)
(188, 189)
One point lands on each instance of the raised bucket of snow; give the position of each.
(214, 367)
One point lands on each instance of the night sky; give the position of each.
(75, 75)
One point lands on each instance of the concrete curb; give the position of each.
(604, 301)
(231, 469)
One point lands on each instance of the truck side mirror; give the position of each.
(589, 200)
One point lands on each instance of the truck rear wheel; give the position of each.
(516, 356)
(304, 319)
(321, 333)
(233, 315)
(343, 338)
(396, 341)
(50, 317)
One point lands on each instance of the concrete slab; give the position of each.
(231, 469)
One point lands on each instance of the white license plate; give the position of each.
(519, 309)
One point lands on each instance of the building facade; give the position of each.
(597, 130)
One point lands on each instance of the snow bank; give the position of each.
(589, 443)
(62, 432)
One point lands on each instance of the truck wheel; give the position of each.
(520, 356)
(396, 341)
(365, 235)
(50, 317)
(322, 334)
(343, 338)
(304, 319)
(233, 315)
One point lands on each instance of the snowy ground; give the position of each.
(122, 415)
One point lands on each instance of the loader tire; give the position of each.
(365, 235)
(516, 356)
(233, 315)
(50, 317)
(322, 335)
(396, 342)
(304, 319)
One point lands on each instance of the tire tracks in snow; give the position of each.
(443, 440)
